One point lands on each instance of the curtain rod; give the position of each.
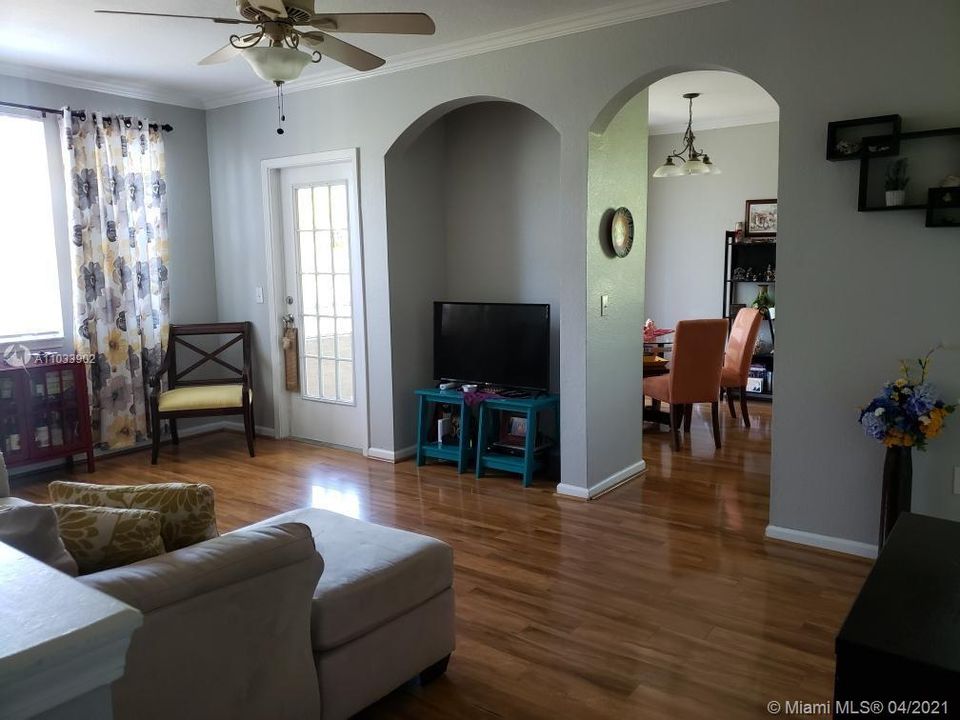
(165, 126)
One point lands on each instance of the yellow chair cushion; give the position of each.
(202, 397)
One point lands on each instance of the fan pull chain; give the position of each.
(280, 114)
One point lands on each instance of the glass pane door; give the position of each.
(326, 308)
(12, 442)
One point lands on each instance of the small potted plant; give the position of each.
(896, 182)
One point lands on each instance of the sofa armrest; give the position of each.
(192, 571)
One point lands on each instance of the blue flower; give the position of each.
(922, 400)
(873, 425)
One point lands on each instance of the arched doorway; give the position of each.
(472, 193)
(676, 271)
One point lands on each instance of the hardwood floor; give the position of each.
(659, 599)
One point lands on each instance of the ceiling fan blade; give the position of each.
(226, 53)
(341, 51)
(273, 9)
(223, 21)
(394, 23)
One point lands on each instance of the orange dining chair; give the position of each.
(694, 375)
(737, 359)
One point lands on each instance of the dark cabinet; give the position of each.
(44, 414)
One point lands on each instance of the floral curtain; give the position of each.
(117, 201)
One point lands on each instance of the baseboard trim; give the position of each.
(824, 542)
(234, 426)
(203, 429)
(604, 486)
(391, 456)
(186, 432)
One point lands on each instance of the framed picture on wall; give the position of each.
(761, 219)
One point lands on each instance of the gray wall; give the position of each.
(192, 286)
(472, 216)
(687, 216)
(502, 200)
(416, 222)
(839, 335)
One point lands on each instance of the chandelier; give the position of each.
(696, 161)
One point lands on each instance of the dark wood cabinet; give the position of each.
(44, 414)
(900, 644)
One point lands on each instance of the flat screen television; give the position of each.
(503, 344)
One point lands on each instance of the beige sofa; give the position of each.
(383, 612)
(245, 627)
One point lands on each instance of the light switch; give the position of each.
(604, 305)
(259, 295)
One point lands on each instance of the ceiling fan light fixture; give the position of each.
(277, 64)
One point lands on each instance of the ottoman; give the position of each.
(383, 610)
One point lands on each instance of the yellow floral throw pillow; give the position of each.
(186, 509)
(101, 538)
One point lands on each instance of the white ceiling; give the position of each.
(726, 100)
(64, 41)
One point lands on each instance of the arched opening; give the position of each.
(473, 193)
(685, 264)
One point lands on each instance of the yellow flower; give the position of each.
(901, 382)
(122, 432)
(116, 348)
(894, 438)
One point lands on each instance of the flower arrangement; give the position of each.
(908, 412)
(651, 332)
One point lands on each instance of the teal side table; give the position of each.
(531, 408)
(461, 453)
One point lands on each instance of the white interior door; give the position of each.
(323, 291)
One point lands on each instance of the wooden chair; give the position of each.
(694, 375)
(186, 398)
(737, 359)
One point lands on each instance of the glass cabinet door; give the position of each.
(12, 440)
(54, 411)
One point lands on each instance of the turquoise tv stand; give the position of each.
(527, 463)
(460, 453)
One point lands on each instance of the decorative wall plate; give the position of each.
(621, 232)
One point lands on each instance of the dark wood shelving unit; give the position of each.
(853, 131)
(891, 143)
(943, 207)
(757, 254)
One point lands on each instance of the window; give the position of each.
(323, 240)
(30, 307)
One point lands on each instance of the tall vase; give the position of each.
(897, 488)
(4, 484)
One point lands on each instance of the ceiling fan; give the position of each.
(273, 47)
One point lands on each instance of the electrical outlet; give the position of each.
(956, 480)
(259, 295)
(604, 305)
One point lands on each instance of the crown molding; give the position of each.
(759, 118)
(559, 27)
(135, 91)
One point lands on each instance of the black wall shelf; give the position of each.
(892, 143)
(943, 207)
(861, 134)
